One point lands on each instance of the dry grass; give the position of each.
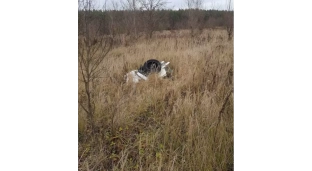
(183, 123)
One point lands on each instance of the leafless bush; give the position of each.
(92, 49)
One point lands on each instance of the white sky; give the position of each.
(176, 4)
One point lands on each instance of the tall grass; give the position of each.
(182, 123)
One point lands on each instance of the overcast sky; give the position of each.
(178, 4)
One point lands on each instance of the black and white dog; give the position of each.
(150, 66)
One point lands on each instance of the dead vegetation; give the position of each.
(183, 123)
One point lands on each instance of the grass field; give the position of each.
(182, 123)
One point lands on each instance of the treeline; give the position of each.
(133, 22)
